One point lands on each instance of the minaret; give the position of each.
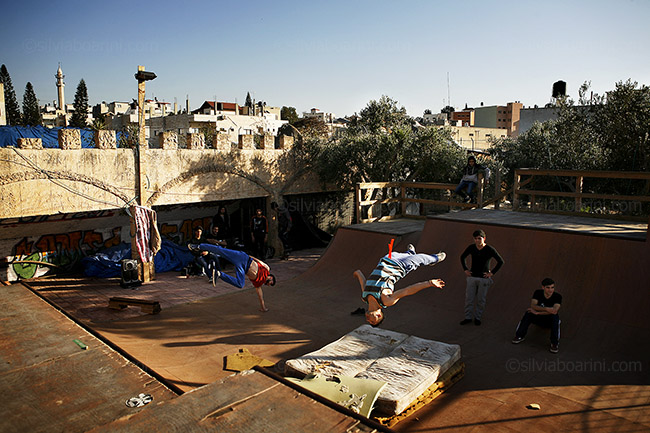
(60, 84)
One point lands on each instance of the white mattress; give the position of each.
(409, 365)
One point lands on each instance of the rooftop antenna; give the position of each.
(448, 91)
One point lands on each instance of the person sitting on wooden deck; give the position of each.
(245, 266)
(379, 291)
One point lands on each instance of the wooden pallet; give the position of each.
(450, 377)
(146, 306)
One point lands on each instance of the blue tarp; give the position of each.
(9, 135)
(106, 264)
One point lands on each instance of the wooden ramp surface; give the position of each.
(599, 381)
(49, 383)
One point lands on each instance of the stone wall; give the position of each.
(74, 179)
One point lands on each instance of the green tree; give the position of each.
(79, 118)
(289, 113)
(622, 126)
(11, 104)
(382, 144)
(31, 111)
(448, 110)
(249, 101)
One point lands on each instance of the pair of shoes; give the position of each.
(554, 348)
(139, 401)
(358, 312)
(193, 247)
(441, 256)
(477, 322)
(465, 321)
(410, 248)
(517, 340)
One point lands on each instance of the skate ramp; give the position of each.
(598, 381)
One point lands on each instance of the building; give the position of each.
(465, 117)
(315, 113)
(528, 116)
(439, 119)
(223, 116)
(475, 138)
(499, 116)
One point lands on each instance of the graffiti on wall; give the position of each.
(182, 232)
(34, 258)
(62, 250)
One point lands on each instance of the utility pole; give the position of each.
(147, 268)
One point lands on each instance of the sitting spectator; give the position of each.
(543, 311)
(199, 265)
(469, 179)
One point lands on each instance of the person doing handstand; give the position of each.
(245, 266)
(379, 290)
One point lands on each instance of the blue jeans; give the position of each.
(465, 184)
(239, 259)
(410, 260)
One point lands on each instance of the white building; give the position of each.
(315, 113)
(224, 116)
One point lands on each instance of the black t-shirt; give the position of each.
(542, 301)
(481, 259)
(259, 225)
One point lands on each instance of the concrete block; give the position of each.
(69, 139)
(168, 140)
(195, 140)
(105, 139)
(285, 142)
(247, 142)
(222, 141)
(29, 143)
(267, 141)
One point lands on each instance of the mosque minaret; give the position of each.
(60, 85)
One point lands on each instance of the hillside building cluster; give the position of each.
(472, 128)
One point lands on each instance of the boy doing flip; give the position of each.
(379, 290)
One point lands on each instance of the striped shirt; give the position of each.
(386, 274)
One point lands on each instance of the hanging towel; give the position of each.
(147, 237)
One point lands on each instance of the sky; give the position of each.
(332, 55)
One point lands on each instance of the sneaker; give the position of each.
(477, 322)
(193, 247)
(517, 340)
(465, 321)
(410, 248)
(554, 348)
(467, 199)
(441, 256)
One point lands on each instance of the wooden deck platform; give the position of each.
(598, 381)
(560, 223)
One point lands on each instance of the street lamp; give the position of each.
(142, 76)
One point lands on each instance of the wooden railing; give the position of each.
(578, 197)
(400, 194)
